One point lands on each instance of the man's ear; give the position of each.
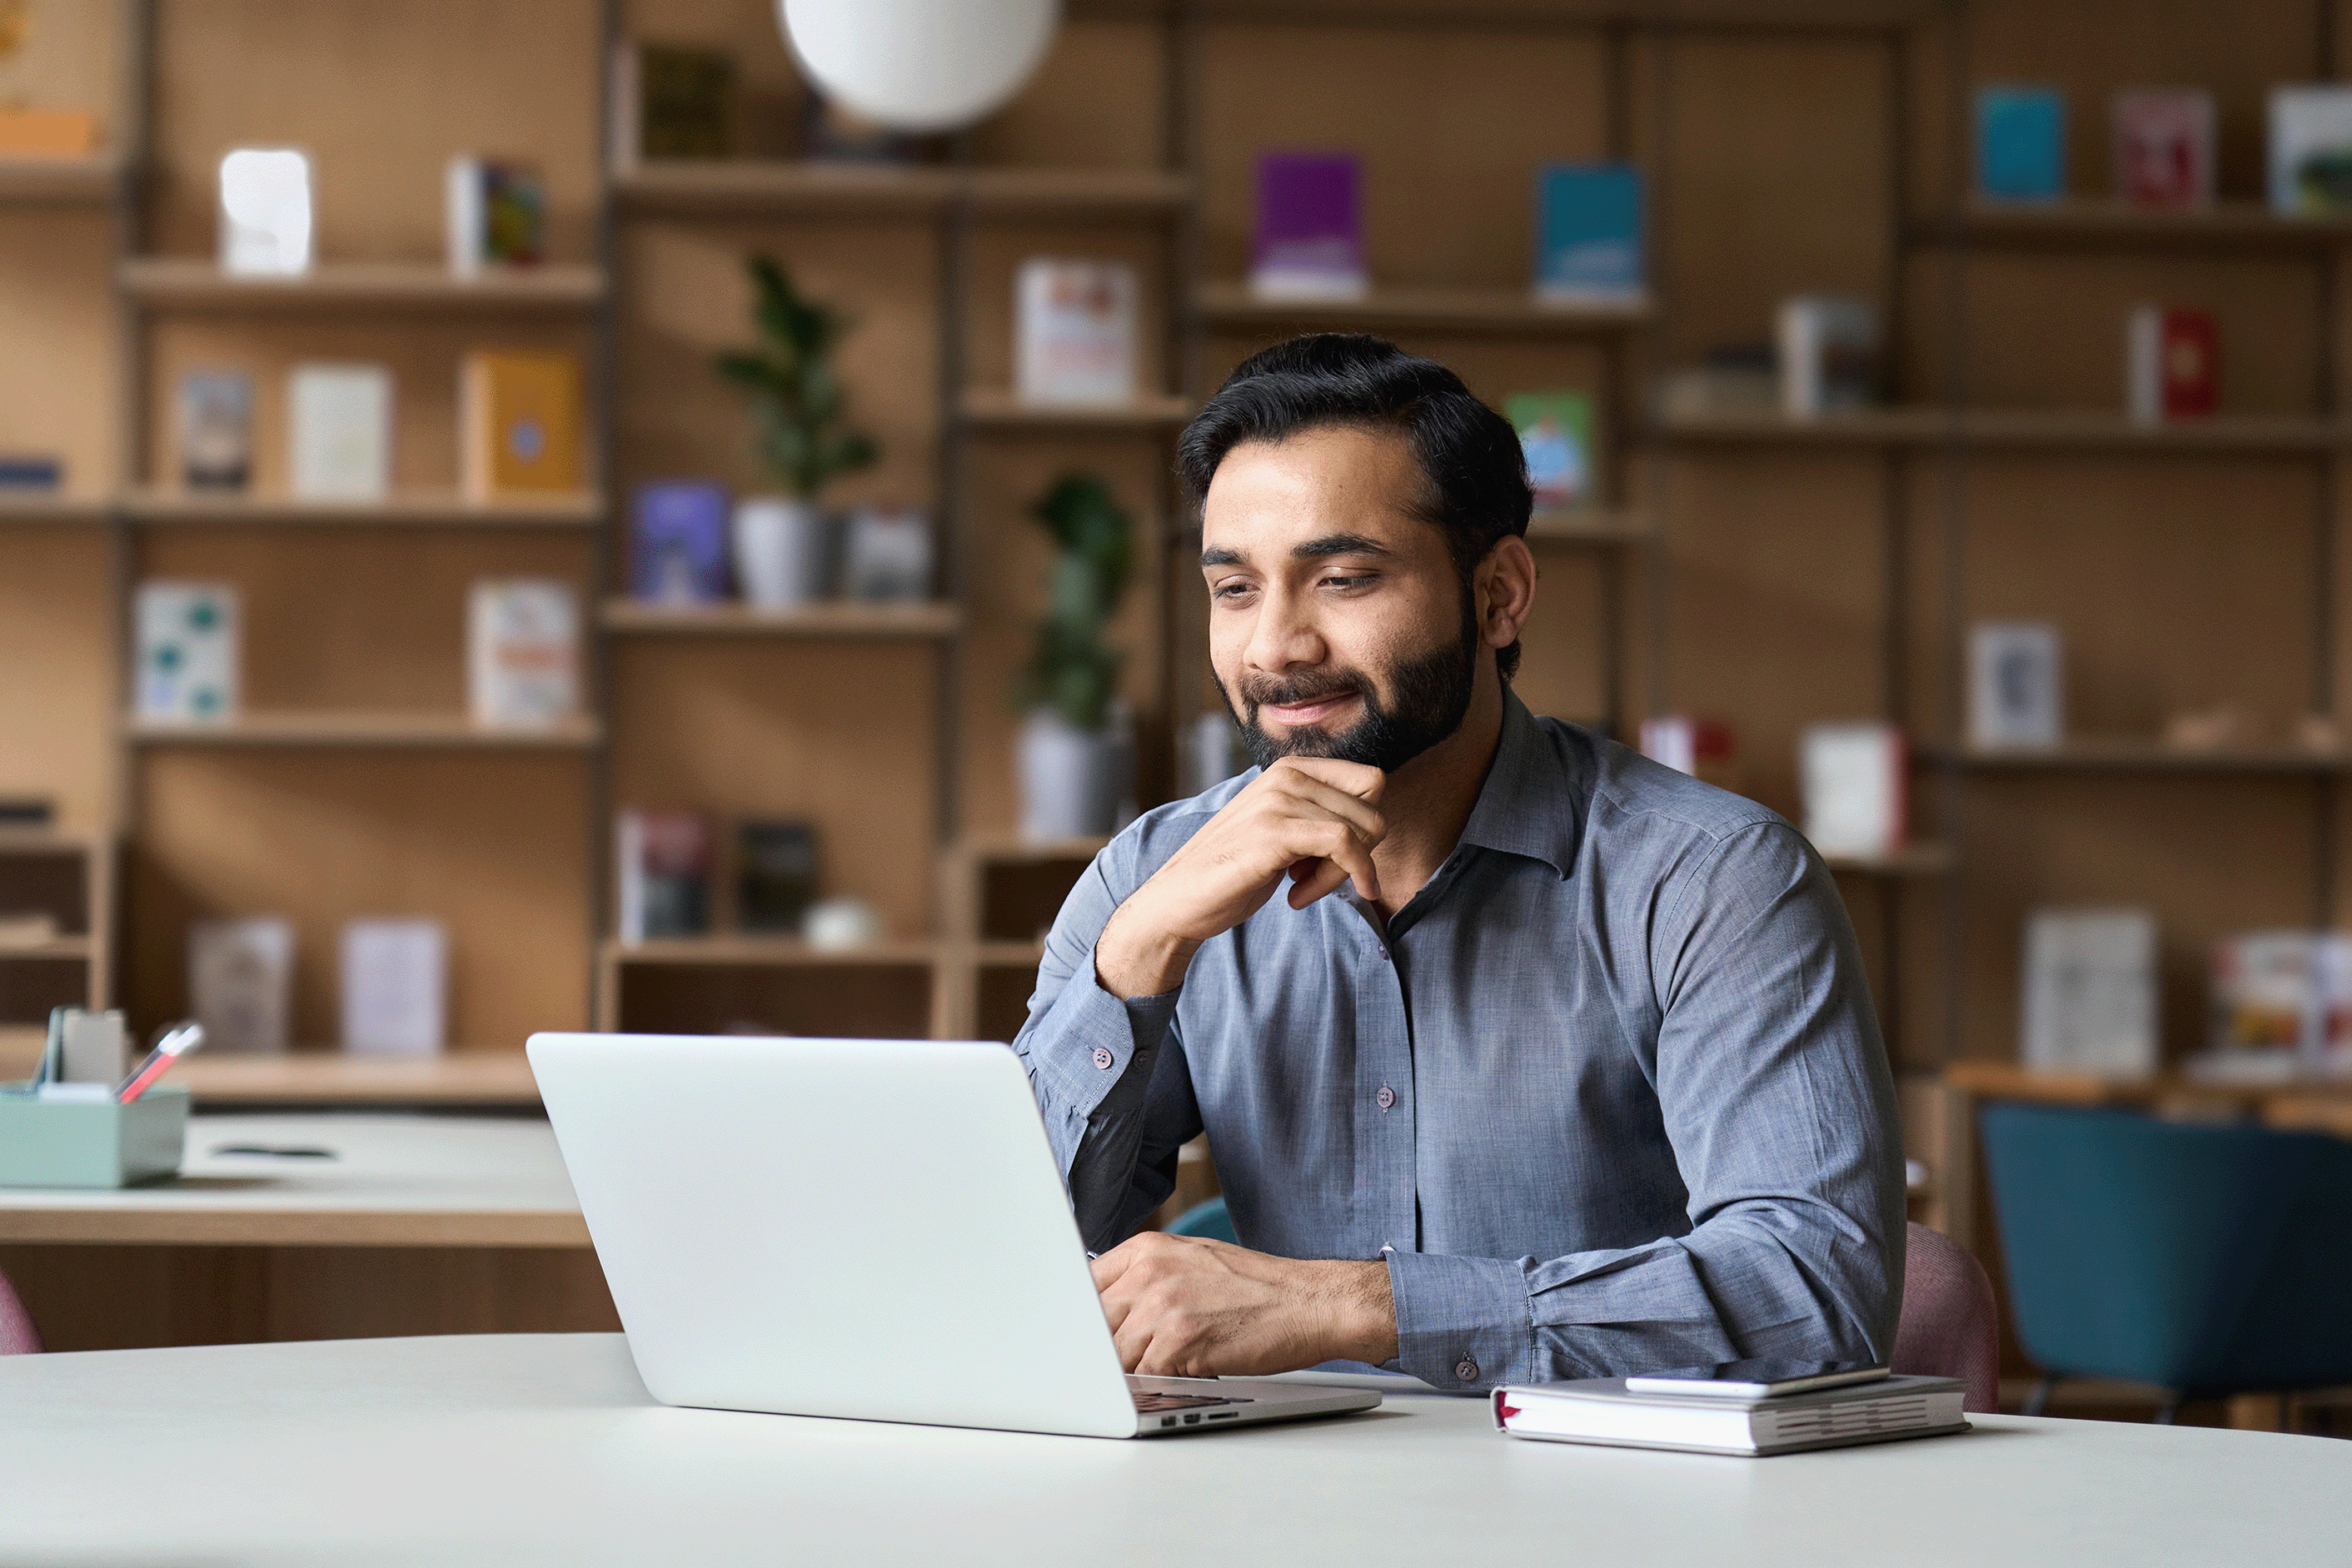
(1506, 583)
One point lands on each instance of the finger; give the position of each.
(1337, 842)
(1312, 880)
(1357, 779)
(1313, 794)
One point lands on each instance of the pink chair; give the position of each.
(18, 1335)
(1950, 1326)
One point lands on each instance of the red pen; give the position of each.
(188, 1036)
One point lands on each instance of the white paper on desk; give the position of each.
(395, 986)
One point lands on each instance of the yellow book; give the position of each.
(47, 133)
(519, 414)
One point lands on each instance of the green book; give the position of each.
(1556, 433)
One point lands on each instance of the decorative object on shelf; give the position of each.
(2172, 364)
(2318, 732)
(919, 65)
(2311, 149)
(677, 543)
(784, 552)
(241, 981)
(886, 558)
(1213, 752)
(671, 102)
(1828, 355)
(1588, 239)
(2021, 144)
(2089, 992)
(1730, 379)
(2017, 687)
(339, 424)
(1556, 433)
(22, 812)
(841, 923)
(2215, 728)
(1702, 747)
(216, 430)
(519, 425)
(2164, 146)
(497, 215)
(47, 132)
(775, 874)
(1069, 773)
(395, 986)
(1310, 232)
(2281, 1009)
(1074, 332)
(1853, 778)
(522, 653)
(187, 652)
(31, 471)
(265, 212)
(662, 860)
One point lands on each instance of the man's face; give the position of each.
(1338, 626)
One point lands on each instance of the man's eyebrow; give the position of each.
(1220, 557)
(1339, 544)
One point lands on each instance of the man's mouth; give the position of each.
(1312, 711)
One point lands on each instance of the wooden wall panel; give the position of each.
(493, 844)
(1099, 102)
(60, 684)
(1560, 648)
(767, 85)
(69, 60)
(56, 321)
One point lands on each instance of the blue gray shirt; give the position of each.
(1608, 1094)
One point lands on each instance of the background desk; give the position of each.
(525, 1450)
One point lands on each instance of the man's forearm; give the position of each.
(1362, 1314)
(1134, 957)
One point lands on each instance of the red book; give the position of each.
(2175, 364)
(2164, 147)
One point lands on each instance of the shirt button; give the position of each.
(1386, 1097)
(1103, 1058)
(1467, 1370)
(1383, 951)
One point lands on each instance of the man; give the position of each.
(1548, 1063)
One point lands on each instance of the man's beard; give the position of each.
(1431, 694)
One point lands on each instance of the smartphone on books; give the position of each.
(1755, 1379)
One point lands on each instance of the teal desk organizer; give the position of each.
(92, 1142)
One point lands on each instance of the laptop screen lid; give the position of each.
(858, 1228)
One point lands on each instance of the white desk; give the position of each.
(544, 1449)
(395, 1181)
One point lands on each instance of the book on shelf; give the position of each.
(2164, 146)
(1853, 779)
(395, 990)
(1074, 332)
(1310, 238)
(522, 653)
(496, 213)
(30, 471)
(669, 100)
(241, 982)
(2311, 149)
(339, 429)
(2017, 685)
(265, 212)
(662, 864)
(214, 413)
(677, 542)
(28, 133)
(1702, 747)
(2172, 364)
(2089, 992)
(1731, 378)
(886, 556)
(2280, 1009)
(1605, 1411)
(519, 425)
(1828, 355)
(775, 875)
(1556, 438)
(1589, 237)
(2021, 144)
(186, 652)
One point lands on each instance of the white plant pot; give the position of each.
(1068, 788)
(780, 552)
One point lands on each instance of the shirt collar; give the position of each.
(1527, 805)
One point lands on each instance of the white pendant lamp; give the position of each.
(919, 65)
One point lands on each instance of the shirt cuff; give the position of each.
(1097, 1038)
(1463, 1323)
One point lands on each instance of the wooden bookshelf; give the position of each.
(744, 187)
(2111, 223)
(831, 619)
(1477, 311)
(996, 409)
(770, 953)
(39, 508)
(2128, 755)
(422, 731)
(2060, 430)
(1919, 860)
(165, 509)
(1596, 526)
(188, 283)
(46, 182)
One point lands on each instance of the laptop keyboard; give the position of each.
(1153, 1404)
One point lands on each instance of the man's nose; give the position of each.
(1285, 636)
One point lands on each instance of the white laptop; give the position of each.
(857, 1228)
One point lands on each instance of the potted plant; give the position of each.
(1070, 762)
(802, 412)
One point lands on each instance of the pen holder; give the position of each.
(92, 1142)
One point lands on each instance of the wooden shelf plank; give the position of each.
(1911, 860)
(1009, 954)
(832, 619)
(2112, 222)
(44, 180)
(49, 508)
(423, 731)
(1469, 310)
(1007, 848)
(2131, 755)
(331, 1078)
(855, 190)
(1588, 526)
(2015, 429)
(420, 510)
(1050, 191)
(996, 408)
(769, 952)
(57, 947)
(191, 283)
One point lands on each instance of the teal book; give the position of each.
(1588, 242)
(2021, 144)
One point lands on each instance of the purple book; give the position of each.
(678, 543)
(1310, 236)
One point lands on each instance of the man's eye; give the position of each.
(1229, 590)
(1347, 583)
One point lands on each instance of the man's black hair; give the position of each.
(1476, 474)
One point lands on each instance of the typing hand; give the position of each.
(1313, 818)
(1182, 1306)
